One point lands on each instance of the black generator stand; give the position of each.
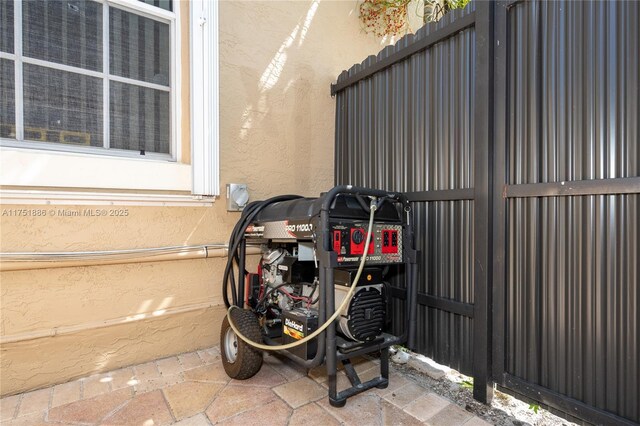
(339, 399)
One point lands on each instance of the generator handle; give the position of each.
(327, 201)
(350, 189)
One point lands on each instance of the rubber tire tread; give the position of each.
(249, 359)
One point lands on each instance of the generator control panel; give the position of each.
(349, 238)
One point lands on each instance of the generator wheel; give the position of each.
(240, 360)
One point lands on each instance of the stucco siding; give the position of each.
(277, 60)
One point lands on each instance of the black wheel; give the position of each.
(239, 359)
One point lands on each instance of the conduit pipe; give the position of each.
(35, 260)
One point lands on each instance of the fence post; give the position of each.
(482, 230)
(499, 204)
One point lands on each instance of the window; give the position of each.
(88, 76)
(87, 87)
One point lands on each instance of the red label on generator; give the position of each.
(357, 241)
(358, 238)
(337, 242)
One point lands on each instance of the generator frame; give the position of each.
(331, 347)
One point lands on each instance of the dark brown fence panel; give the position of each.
(409, 128)
(446, 272)
(572, 297)
(572, 282)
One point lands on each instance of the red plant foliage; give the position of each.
(384, 17)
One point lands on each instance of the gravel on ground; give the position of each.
(505, 410)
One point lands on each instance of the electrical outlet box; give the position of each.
(237, 196)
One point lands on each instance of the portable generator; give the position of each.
(321, 291)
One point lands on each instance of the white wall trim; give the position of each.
(73, 198)
(204, 97)
(176, 86)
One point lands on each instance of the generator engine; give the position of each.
(289, 283)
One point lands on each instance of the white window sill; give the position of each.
(79, 198)
(27, 168)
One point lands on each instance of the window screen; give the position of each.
(139, 47)
(64, 32)
(68, 94)
(62, 107)
(7, 100)
(139, 118)
(6, 26)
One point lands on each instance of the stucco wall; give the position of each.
(277, 60)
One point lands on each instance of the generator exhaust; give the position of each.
(349, 247)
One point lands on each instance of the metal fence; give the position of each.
(379, 120)
(513, 126)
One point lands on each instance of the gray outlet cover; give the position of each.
(237, 196)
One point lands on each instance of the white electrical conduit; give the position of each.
(329, 321)
(28, 261)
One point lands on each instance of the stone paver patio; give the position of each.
(193, 389)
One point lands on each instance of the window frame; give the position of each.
(36, 175)
(205, 96)
(172, 18)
